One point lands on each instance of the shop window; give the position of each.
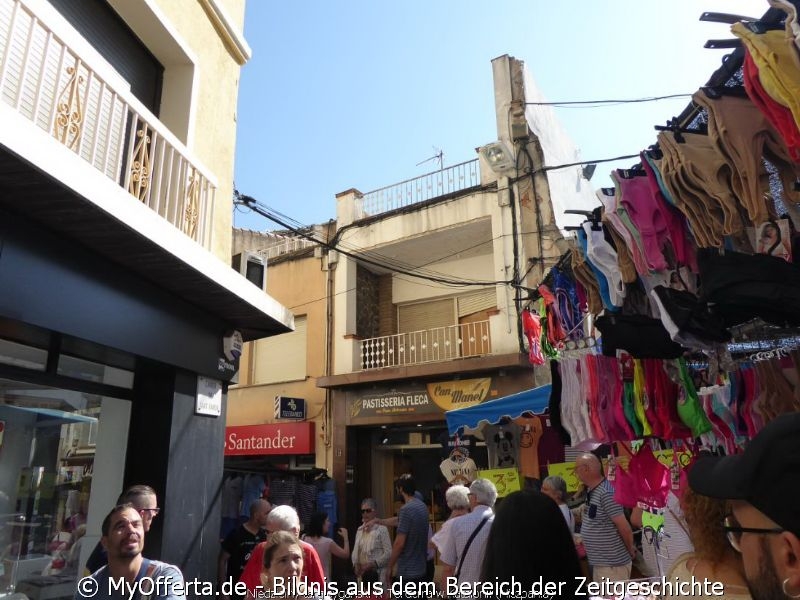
(49, 439)
(282, 357)
(87, 370)
(22, 355)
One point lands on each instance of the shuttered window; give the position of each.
(481, 300)
(108, 33)
(426, 315)
(282, 357)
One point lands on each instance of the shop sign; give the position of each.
(450, 395)
(209, 397)
(271, 438)
(393, 402)
(505, 480)
(290, 408)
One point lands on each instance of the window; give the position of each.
(282, 357)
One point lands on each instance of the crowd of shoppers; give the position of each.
(740, 512)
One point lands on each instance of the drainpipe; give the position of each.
(329, 284)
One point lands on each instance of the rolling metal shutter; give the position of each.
(469, 304)
(105, 30)
(426, 315)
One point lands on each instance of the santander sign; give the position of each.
(270, 438)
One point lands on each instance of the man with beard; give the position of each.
(145, 501)
(763, 485)
(123, 539)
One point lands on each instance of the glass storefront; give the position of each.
(48, 451)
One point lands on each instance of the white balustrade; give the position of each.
(88, 108)
(427, 345)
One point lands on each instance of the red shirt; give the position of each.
(312, 566)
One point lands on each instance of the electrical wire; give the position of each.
(267, 212)
(385, 261)
(596, 103)
(425, 284)
(581, 163)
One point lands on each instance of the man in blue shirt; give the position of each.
(410, 548)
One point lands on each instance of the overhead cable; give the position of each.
(590, 103)
(268, 213)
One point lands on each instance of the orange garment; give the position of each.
(531, 431)
(743, 135)
(697, 176)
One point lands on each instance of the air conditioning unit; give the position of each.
(252, 267)
(302, 462)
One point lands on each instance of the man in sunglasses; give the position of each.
(763, 486)
(144, 500)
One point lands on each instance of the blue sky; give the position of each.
(353, 94)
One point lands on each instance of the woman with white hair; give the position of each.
(457, 498)
(555, 487)
(283, 518)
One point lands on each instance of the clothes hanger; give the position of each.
(717, 91)
(677, 131)
(635, 171)
(718, 17)
(654, 152)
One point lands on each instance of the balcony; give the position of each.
(426, 346)
(446, 181)
(55, 80)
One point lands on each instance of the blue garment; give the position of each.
(326, 502)
(569, 307)
(252, 490)
(602, 282)
(413, 522)
(659, 179)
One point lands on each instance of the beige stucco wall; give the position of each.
(200, 91)
(300, 285)
(425, 225)
(215, 98)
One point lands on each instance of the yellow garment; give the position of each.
(640, 396)
(777, 69)
(792, 27)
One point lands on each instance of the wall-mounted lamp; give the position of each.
(499, 158)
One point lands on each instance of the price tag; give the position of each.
(505, 480)
(567, 472)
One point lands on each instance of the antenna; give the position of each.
(439, 157)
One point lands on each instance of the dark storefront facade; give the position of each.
(109, 378)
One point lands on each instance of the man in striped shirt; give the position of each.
(606, 533)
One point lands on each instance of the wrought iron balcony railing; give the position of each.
(86, 106)
(427, 345)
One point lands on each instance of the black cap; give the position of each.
(766, 474)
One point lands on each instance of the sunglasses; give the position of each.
(152, 512)
(734, 531)
(366, 510)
